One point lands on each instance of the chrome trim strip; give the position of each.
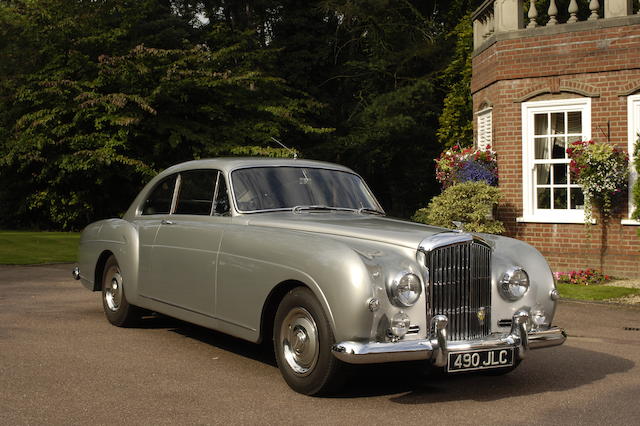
(448, 238)
(413, 350)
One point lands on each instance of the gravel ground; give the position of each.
(629, 300)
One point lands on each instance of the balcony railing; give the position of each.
(497, 16)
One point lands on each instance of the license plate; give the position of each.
(480, 360)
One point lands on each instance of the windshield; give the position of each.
(280, 188)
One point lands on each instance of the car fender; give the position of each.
(118, 237)
(329, 268)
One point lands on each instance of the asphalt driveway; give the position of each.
(61, 362)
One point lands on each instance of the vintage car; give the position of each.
(301, 252)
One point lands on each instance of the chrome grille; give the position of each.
(460, 287)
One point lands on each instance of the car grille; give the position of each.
(460, 288)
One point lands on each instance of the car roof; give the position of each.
(228, 164)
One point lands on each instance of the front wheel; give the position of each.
(302, 342)
(114, 302)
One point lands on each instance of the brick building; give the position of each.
(538, 86)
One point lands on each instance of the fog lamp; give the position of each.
(538, 318)
(400, 324)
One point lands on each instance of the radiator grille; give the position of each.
(460, 284)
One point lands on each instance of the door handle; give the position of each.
(167, 222)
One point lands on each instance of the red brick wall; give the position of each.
(603, 64)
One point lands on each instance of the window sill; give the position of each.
(630, 222)
(536, 219)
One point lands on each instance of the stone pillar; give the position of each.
(613, 8)
(509, 15)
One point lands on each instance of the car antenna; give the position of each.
(295, 154)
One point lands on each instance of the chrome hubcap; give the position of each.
(300, 344)
(113, 289)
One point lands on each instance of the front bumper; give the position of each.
(437, 348)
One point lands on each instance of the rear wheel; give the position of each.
(116, 307)
(302, 343)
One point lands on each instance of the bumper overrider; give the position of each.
(438, 348)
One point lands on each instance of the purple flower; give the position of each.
(477, 171)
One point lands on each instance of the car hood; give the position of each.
(366, 227)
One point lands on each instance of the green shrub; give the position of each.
(471, 203)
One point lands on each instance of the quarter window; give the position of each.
(549, 127)
(221, 206)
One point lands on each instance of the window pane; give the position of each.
(541, 148)
(572, 139)
(559, 149)
(557, 123)
(559, 198)
(559, 173)
(577, 198)
(268, 188)
(543, 172)
(159, 202)
(540, 124)
(574, 122)
(544, 198)
(196, 192)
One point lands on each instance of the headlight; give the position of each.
(406, 289)
(514, 284)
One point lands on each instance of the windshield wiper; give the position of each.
(298, 209)
(363, 210)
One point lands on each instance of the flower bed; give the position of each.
(587, 276)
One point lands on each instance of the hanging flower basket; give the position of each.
(457, 165)
(601, 169)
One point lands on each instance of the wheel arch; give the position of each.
(99, 271)
(271, 304)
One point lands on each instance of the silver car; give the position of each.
(301, 252)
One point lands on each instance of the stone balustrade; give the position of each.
(500, 16)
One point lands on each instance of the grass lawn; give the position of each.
(24, 248)
(594, 292)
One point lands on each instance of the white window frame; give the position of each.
(485, 130)
(633, 121)
(529, 109)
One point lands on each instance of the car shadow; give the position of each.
(547, 370)
(553, 369)
(259, 352)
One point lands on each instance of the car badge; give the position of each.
(482, 313)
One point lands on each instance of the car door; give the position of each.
(185, 251)
(156, 208)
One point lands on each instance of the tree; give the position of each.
(456, 120)
(82, 121)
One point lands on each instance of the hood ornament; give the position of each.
(459, 225)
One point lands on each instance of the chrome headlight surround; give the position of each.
(405, 289)
(514, 284)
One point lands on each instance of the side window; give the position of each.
(159, 202)
(222, 197)
(196, 192)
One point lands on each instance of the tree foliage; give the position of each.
(96, 96)
(456, 120)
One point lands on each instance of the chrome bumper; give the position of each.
(437, 348)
